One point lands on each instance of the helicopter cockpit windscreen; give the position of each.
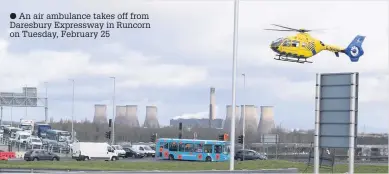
(277, 42)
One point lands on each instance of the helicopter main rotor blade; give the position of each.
(285, 27)
(278, 30)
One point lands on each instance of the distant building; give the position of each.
(195, 122)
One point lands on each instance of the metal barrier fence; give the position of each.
(300, 152)
(23, 147)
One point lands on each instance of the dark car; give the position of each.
(37, 155)
(132, 153)
(249, 155)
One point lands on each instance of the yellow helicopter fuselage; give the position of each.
(302, 45)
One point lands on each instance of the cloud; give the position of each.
(133, 68)
(190, 46)
(371, 89)
(38, 66)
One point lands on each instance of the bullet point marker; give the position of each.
(12, 15)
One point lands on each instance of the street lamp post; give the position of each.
(25, 102)
(234, 57)
(244, 111)
(72, 111)
(113, 110)
(46, 105)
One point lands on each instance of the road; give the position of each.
(149, 159)
(121, 159)
(294, 170)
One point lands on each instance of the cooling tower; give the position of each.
(127, 115)
(266, 123)
(131, 115)
(251, 117)
(100, 114)
(121, 115)
(151, 120)
(212, 105)
(227, 121)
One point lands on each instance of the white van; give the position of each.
(93, 151)
(145, 149)
(22, 136)
(119, 150)
(34, 142)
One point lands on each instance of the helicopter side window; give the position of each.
(286, 43)
(295, 44)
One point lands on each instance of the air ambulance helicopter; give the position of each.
(302, 46)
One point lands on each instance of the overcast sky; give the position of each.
(187, 50)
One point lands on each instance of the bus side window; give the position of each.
(198, 148)
(218, 149)
(173, 146)
(181, 147)
(208, 148)
(166, 146)
(188, 147)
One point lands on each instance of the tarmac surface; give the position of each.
(291, 170)
(150, 159)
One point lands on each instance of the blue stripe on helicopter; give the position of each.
(313, 51)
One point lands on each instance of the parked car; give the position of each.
(132, 153)
(34, 142)
(119, 150)
(144, 149)
(247, 154)
(37, 155)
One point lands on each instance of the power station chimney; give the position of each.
(120, 118)
(251, 119)
(131, 115)
(266, 123)
(229, 116)
(212, 106)
(100, 114)
(151, 120)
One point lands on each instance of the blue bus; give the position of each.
(40, 129)
(192, 150)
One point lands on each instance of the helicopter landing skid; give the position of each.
(291, 59)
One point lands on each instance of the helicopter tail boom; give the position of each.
(354, 50)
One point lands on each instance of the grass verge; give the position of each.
(178, 165)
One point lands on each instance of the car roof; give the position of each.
(23, 133)
(246, 150)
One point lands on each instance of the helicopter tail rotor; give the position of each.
(354, 50)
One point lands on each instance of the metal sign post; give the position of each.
(27, 98)
(336, 114)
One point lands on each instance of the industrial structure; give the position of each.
(127, 115)
(251, 117)
(227, 121)
(212, 105)
(151, 120)
(120, 118)
(100, 114)
(216, 123)
(266, 123)
(132, 115)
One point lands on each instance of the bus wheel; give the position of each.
(171, 157)
(208, 159)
